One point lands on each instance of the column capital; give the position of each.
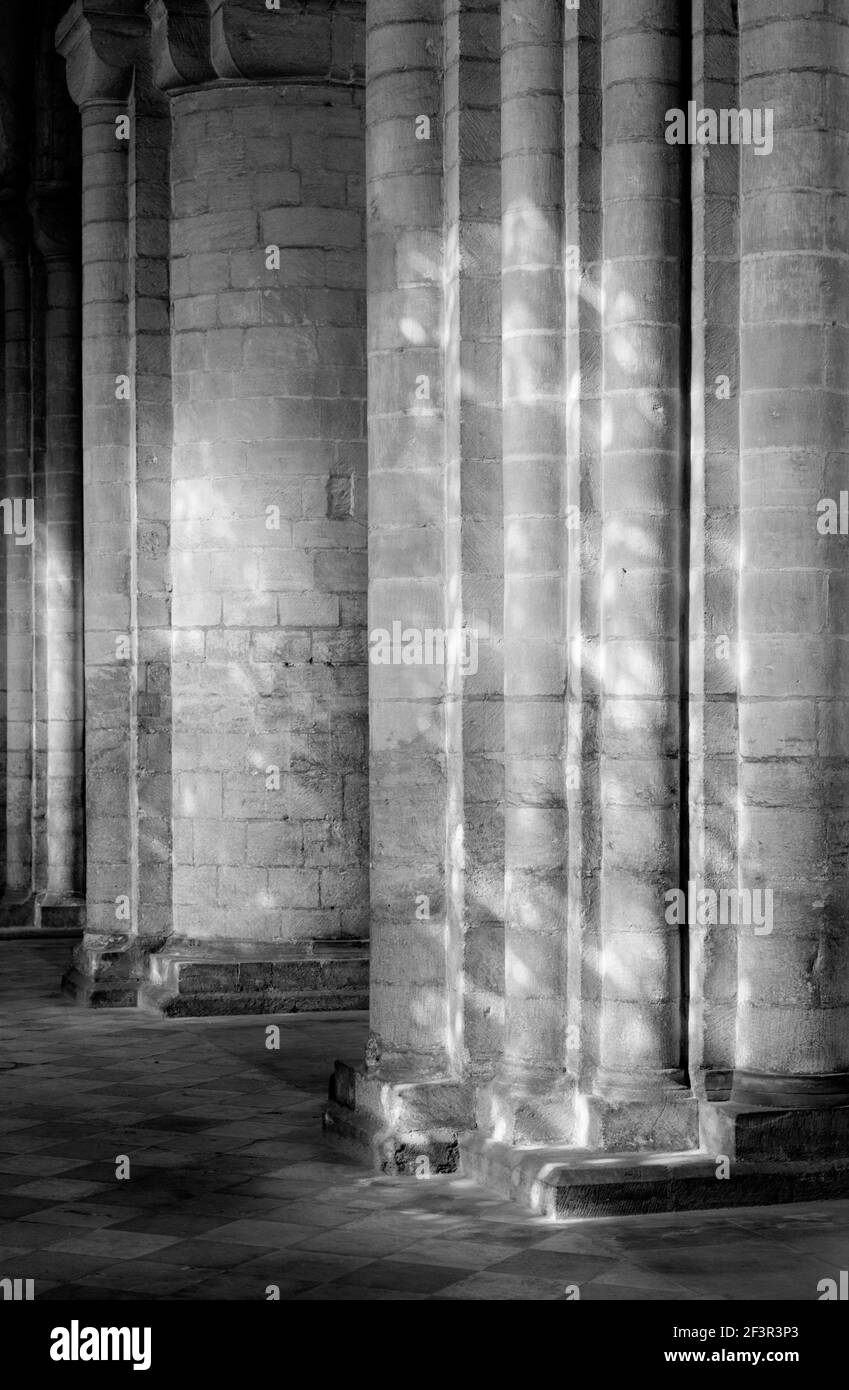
(101, 42)
(297, 41)
(180, 40)
(198, 41)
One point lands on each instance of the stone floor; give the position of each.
(232, 1188)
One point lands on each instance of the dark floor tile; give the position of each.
(198, 1254)
(406, 1278)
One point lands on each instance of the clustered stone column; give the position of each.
(100, 59)
(673, 424)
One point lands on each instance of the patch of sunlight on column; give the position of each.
(582, 1121)
(606, 434)
(573, 396)
(623, 534)
(608, 584)
(595, 297)
(413, 331)
(612, 968)
(624, 305)
(451, 255)
(643, 675)
(515, 544)
(424, 266)
(424, 1005)
(523, 222)
(625, 353)
(458, 846)
(515, 970)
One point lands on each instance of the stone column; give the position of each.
(409, 1102)
(474, 547)
(583, 494)
(532, 1101)
(712, 785)
(640, 1034)
(17, 906)
(150, 331)
(793, 982)
(100, 50)
(407, 704)
(60, 879)
(267, 676)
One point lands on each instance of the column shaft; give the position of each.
(640, 1040)
(793, 983)
(714, 552)
(407, 702)
(17, 492)
(63, 596)
(534, 533)
(110, 561)
(474, 550)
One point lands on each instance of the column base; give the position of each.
(629, 1114)
(528, 1110)
(106, 970)
(804, 1092)
(424, 1127)
(755, 1133)
(191, 979)
(47, 915)
(412, 1128)
(17, 911)
(60, 912)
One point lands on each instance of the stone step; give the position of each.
(99, 993)
(41, 933)
(194, 980)
(567, 1183)
(162, 1001)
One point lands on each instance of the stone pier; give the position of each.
(674, 871)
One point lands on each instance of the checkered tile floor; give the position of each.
(232, 1188)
